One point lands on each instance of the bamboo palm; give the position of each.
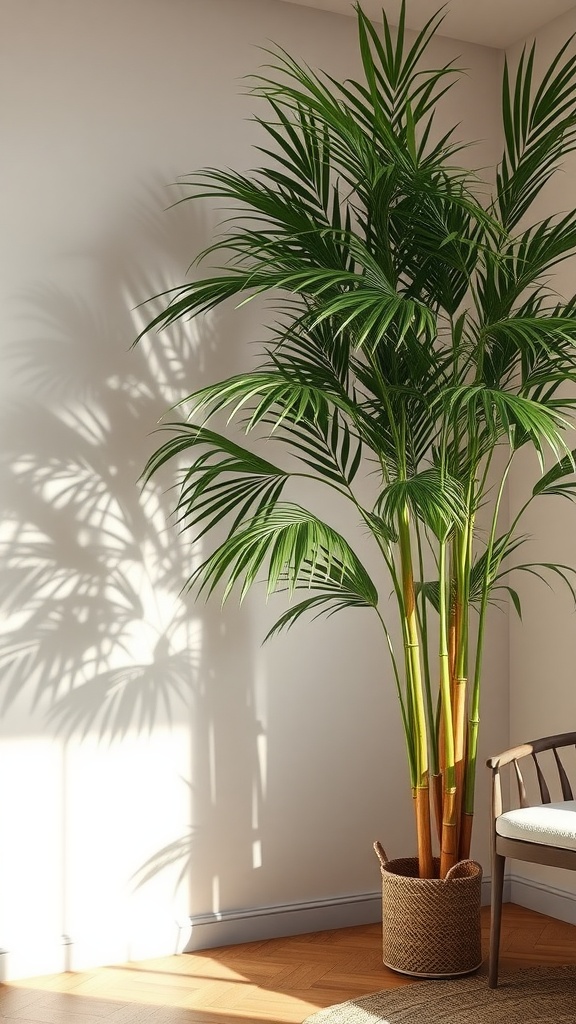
(416, 334)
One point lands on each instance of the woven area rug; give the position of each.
(541, 996)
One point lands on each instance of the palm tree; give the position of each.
(418, 335)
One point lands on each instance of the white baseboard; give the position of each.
(544, 899)
(230, 927)
(487, 889)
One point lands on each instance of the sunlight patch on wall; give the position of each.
(212, 762)
(133, 802)
(215, 894)
(31, 852)
(255, 805)
(257, 854)
(76, 829)
(262, 748)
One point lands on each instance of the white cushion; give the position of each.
(551, 824)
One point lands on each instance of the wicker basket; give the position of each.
(430, 926)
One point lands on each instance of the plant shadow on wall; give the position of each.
(99, 637)
(417, 334)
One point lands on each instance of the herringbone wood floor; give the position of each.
(277, 981)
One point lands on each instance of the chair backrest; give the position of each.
(534, 852)
(532, 750)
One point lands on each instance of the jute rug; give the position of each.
(541, 996)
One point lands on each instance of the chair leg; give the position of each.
(498, 865)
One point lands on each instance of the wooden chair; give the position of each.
(543, 833)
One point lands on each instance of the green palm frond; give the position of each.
(430, 591)
(542, 247)
(295, 548)
(488, 564)
(394, 76)
(327, 445)
(303, 153)
(554, 482)
(523, 420)
(432, 497)
(222, 479)
(520, 264)
(565, 573)
(504, 414)
(257, 393)
(370, 312)
(535, 333)
(195, 298)
(324, 605)
(524, 349)
(539, 130)
(514, 597)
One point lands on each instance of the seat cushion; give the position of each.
(551, 824)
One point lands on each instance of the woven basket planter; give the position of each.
(430, 926)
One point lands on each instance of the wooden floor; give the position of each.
(276, 981)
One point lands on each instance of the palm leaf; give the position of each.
(261, 391)
(224, 478)
(433, 498)
(487, 565)
(554, 483)
(566, 573)
(295, 547)
(324, 605)
(539, 131)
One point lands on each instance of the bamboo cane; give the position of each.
(414, 681)
(437, 802)
(449, 837)
(423, 832)
(459, 722)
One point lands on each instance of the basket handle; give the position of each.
(381, 854)
(459, 870)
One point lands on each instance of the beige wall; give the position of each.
(543, 645)
(286, 762)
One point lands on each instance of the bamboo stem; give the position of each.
(459, 718)
(449, 838)
(423, 831)
(449, 848)
(423, 627)
(452, 641)
(474, 720)
(414, 684)
(437, 802)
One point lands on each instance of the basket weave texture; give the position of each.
(431, 926)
